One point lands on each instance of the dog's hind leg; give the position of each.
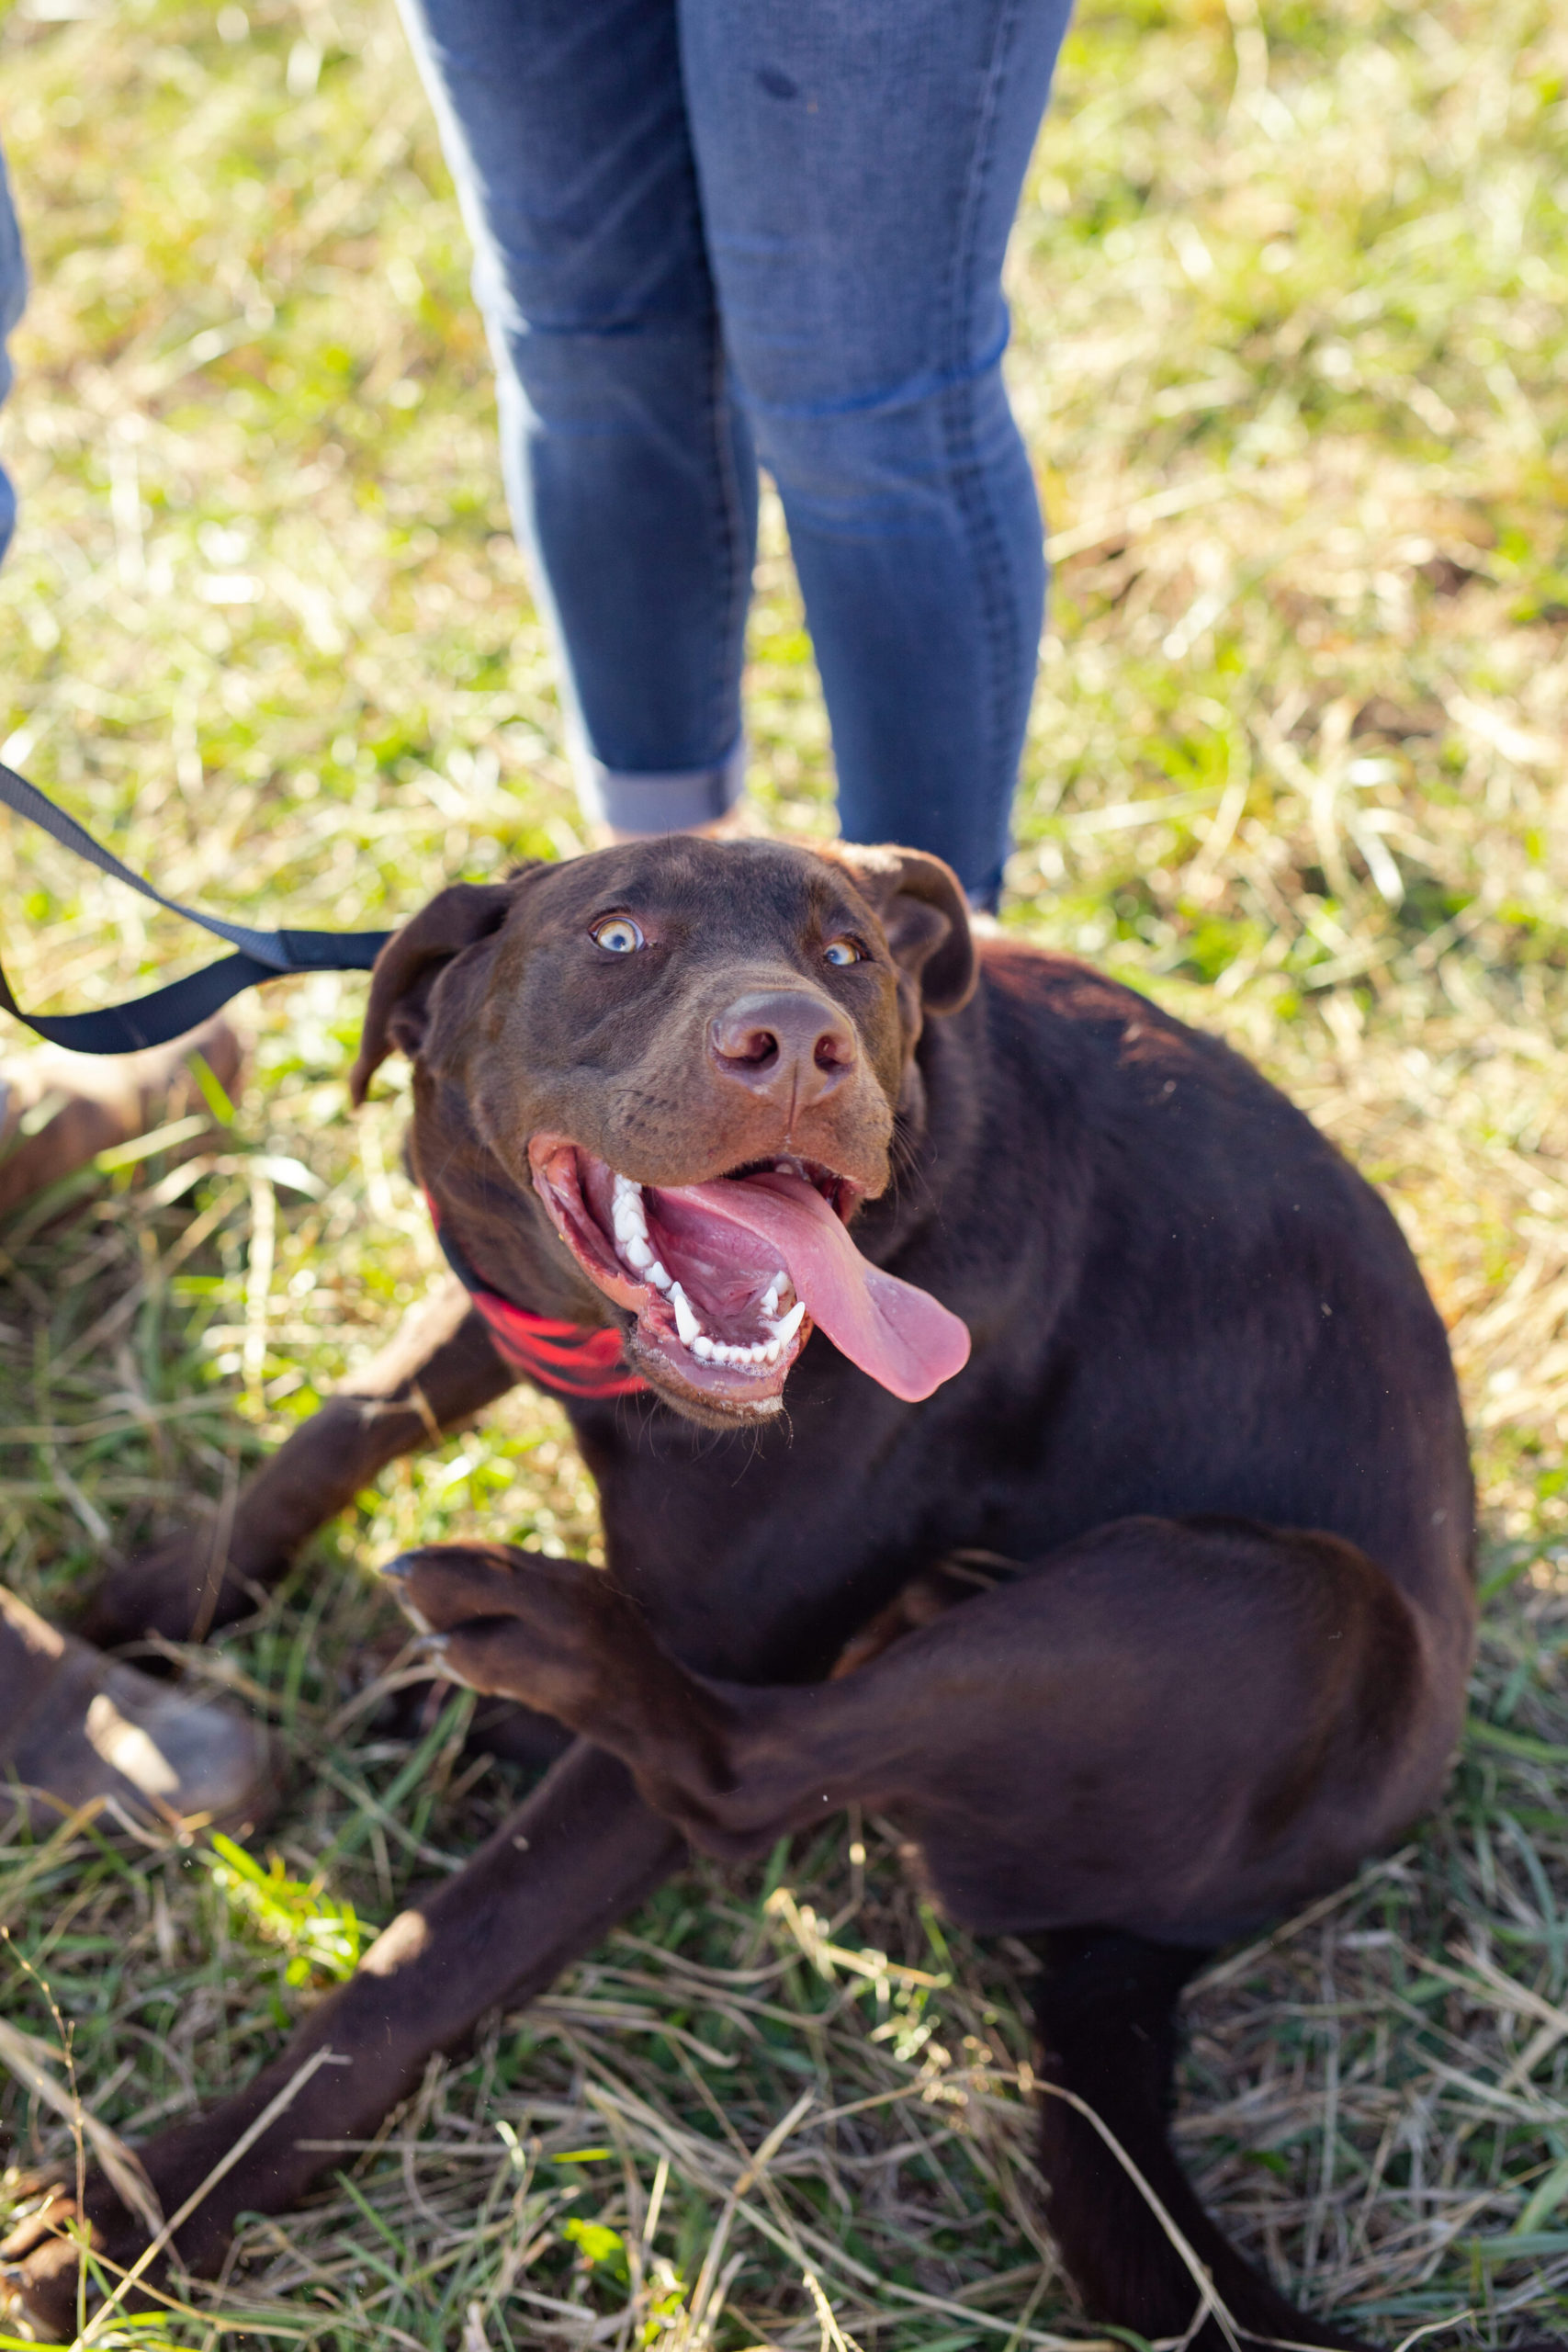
(1105, 2006)
(440, 1370)
(551, 1882)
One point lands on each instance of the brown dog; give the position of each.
(709, 1097)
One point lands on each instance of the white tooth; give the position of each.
(769, 1302)
(657, 1277)
(771, 1352)
(704, 1348)
(785, 1328)
(685, 1321)
(623, 1189)
(639, 1254)
(757, 1352)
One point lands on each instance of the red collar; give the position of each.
(561, 1356)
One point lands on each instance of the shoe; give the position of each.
(77, 1727)
(57, 1109)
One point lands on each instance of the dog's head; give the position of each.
(660, 1080)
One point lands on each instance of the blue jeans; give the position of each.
(13, 294)
(714, 231)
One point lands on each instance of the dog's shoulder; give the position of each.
(1083, 1034)
(1154, 1135)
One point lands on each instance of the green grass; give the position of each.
(1291, 353)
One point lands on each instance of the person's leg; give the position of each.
(629, 465)
(13, 294)
(860, 163)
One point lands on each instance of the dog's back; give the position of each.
(1204, 1305)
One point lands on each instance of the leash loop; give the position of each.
(170, 1011)
(563, 1356)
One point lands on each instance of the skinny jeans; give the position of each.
(710, 234)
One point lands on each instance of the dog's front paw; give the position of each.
(511, 1624)
(182, 1589)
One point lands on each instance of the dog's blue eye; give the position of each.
(619, 935)
(841, 952)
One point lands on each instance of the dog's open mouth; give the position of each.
(727, 1278)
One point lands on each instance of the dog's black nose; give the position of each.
(785, 1043)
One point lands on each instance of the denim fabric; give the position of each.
(710, 231)
(13, 294)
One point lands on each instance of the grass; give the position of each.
(1288, 290)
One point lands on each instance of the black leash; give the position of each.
(184, 1004)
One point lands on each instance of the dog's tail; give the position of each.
(1105, 2002)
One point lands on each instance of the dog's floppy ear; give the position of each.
(925, 914)
(412, 961)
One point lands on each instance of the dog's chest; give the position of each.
(756, 1559)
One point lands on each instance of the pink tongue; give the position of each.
(901, 1335)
